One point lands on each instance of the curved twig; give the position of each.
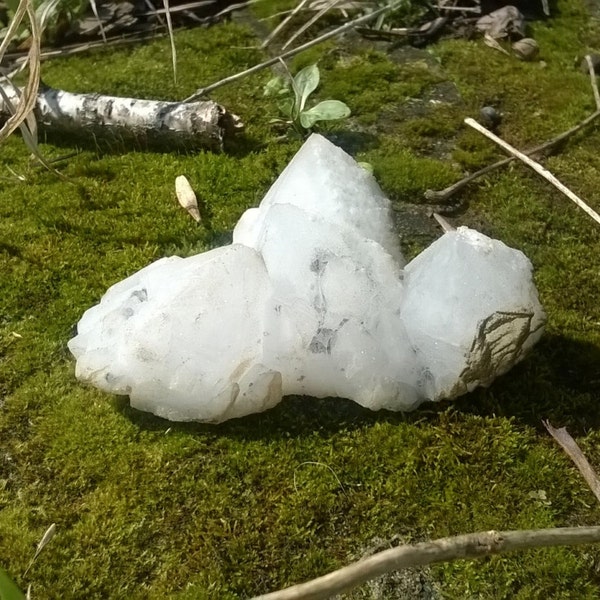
(539, 169)
(443, 195)
(474, 545)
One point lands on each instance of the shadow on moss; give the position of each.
(560, 381)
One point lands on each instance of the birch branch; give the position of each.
(170, 125)
(474, 545)
(536, 167)
(572, 450)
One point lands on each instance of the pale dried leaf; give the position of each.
(488, 40)
(186, 197)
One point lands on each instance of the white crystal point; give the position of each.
(471, 311)
(311, 298)
(327, 183)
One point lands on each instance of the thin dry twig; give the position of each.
(98, 19)
(443, 195)
(283, 24)
(572, 450)
(18, 59)
(267, 63)
(474, 545)
(536, 167)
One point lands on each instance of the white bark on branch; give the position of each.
(168, 125)
(474, 545)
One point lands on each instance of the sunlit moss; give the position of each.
(147, 509)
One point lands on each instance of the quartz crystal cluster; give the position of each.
(313, 297)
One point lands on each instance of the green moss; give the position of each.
(370, 83)
(150, 509)
(405, 177)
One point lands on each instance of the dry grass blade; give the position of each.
(173, 9)
(318, 464)
(572, 450)
(13, 26)
(28, 129)
(592, 71)
(22, 115)
(95, 11)
(171, 39)
(29, 92)
(283, 23)
(234, 7)
(311, 22)
(48, 535)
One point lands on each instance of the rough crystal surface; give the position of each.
(312, 297)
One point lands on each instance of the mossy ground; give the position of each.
(150, 509)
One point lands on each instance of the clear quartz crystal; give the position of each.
(313, 297)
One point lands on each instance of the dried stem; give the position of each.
(536, 167)
(331, 4)
(27, 98)
(351, 24)
(474, 545)
(572, 450)
(443, 195)
(171, 39)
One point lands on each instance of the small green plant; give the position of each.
(293, 92)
